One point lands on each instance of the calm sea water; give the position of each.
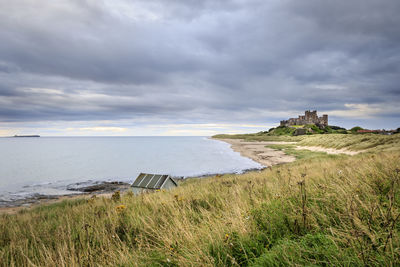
(47, 165)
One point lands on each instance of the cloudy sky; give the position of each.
(195, 67)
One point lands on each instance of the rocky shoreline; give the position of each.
(102, 187)
(254, 150)
(77, 190)
(82, 190)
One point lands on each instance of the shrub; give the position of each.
(341, 131)
(355, 129)
(333, 127)
(328, 129)
(282, 130)
(315, 128)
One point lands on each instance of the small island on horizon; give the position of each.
(32, 135)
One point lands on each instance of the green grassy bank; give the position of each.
(320, 210)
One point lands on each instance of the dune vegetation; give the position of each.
(371, 142)
(321, 210)
(261, 137)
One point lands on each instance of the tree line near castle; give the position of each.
(310, 123)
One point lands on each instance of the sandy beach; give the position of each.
(329, 150)
(258, 151)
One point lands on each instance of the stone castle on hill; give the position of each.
(310, 117)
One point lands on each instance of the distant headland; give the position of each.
(32, 135)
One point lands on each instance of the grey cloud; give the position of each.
(362, 17)
(195, 61)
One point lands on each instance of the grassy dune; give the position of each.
(261, 137)
(320, 210)
(373, 142)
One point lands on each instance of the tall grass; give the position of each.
(326, 211)
(372, 142)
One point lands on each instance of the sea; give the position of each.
(50, 166)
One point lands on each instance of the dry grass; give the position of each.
(372, 142)
(337, 210)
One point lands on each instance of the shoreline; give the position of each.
(103, 189)
(45, 201)
(258, 151)
(255, 150)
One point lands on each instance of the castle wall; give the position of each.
(310, 117)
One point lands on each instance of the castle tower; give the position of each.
(307, 115)
(313, 115)
(310, 116)
(324, 120)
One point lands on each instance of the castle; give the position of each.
(310, 117)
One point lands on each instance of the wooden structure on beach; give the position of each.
(149, 182)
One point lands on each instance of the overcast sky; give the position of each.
(193, 67)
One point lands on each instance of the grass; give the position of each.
(261, 137)
(320, 210)
(356, 142)
(289, 149)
